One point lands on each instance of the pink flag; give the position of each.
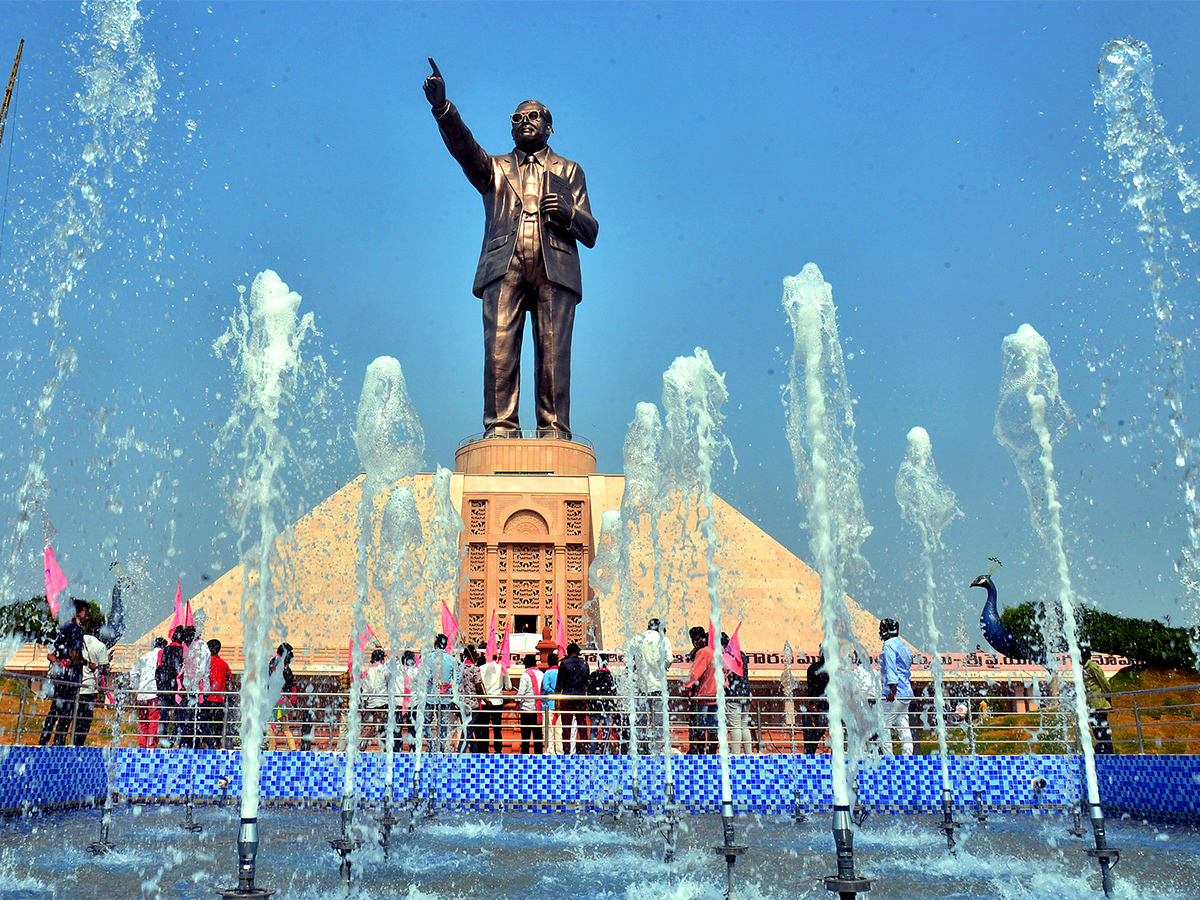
(491, 643)
(364, 641)
(712, 637)
(505, 653)
(56, 581)
(560, 629)
(734, 652)
(182, 614)
(449, 626)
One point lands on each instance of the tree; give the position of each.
(32, 621)
(1153, 644)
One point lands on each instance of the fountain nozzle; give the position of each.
(980, 814)
(948, 824)
(845, 884)
(247, 847)
(729, 849)
(102, 846)
(1105, 855)
(387, 822)
(344, 845)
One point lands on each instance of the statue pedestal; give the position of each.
(524, 456)
(532, 528)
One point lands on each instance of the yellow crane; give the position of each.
(12, 79)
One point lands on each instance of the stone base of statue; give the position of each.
(532, 526)
(524, 453)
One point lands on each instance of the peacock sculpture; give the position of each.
(1000, 638)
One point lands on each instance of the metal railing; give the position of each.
(1161, 720)
(525, 435)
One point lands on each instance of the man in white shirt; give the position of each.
(647, 663)
(864, 691)
(194, 678)
(95, 669)
(896, 664)
(142, 683)
(529, 703)
(374, 697)
(492, 706)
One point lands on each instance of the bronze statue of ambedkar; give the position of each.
(537, 213)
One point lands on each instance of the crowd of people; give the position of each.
(179, 691)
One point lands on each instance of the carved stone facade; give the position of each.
(528, 540)
(525, 553)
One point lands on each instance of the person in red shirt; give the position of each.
(212, 707)
(701, 686)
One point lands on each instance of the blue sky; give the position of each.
(939, 162)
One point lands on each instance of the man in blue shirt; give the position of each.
(896, 665)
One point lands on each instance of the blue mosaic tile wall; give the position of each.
(1159, 786)
(760, 783)
(46, 777)
(1162, 787)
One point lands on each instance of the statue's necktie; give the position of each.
(533, 184)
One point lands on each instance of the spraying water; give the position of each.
(263, 344)
(391, 447)
(820, 429)
(441, 568)
(693, 393)
(116, 110)
(640, 509)
(1031, 416)
(1150, 169)
(929, 505)
(668, 479)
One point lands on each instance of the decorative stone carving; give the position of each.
(526, 595)
(475, 594)
(475, 628)
(477, 514)
(574, 558)
(477, 558)
(527, 558)
(574, 520)
(575, 595)
(526, 521)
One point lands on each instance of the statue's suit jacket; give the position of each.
(498, 179)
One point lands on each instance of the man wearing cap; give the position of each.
(896, 665)
(536, 214)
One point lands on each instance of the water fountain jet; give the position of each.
(103, 845)
(820, 429)
(263, 342)
(927, 503)
(1030, 416)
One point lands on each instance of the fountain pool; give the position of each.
(479, 845)
(484, 854)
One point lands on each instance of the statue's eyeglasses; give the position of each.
(532, 115)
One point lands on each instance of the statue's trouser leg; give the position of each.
(553, 323)
(504, 308)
